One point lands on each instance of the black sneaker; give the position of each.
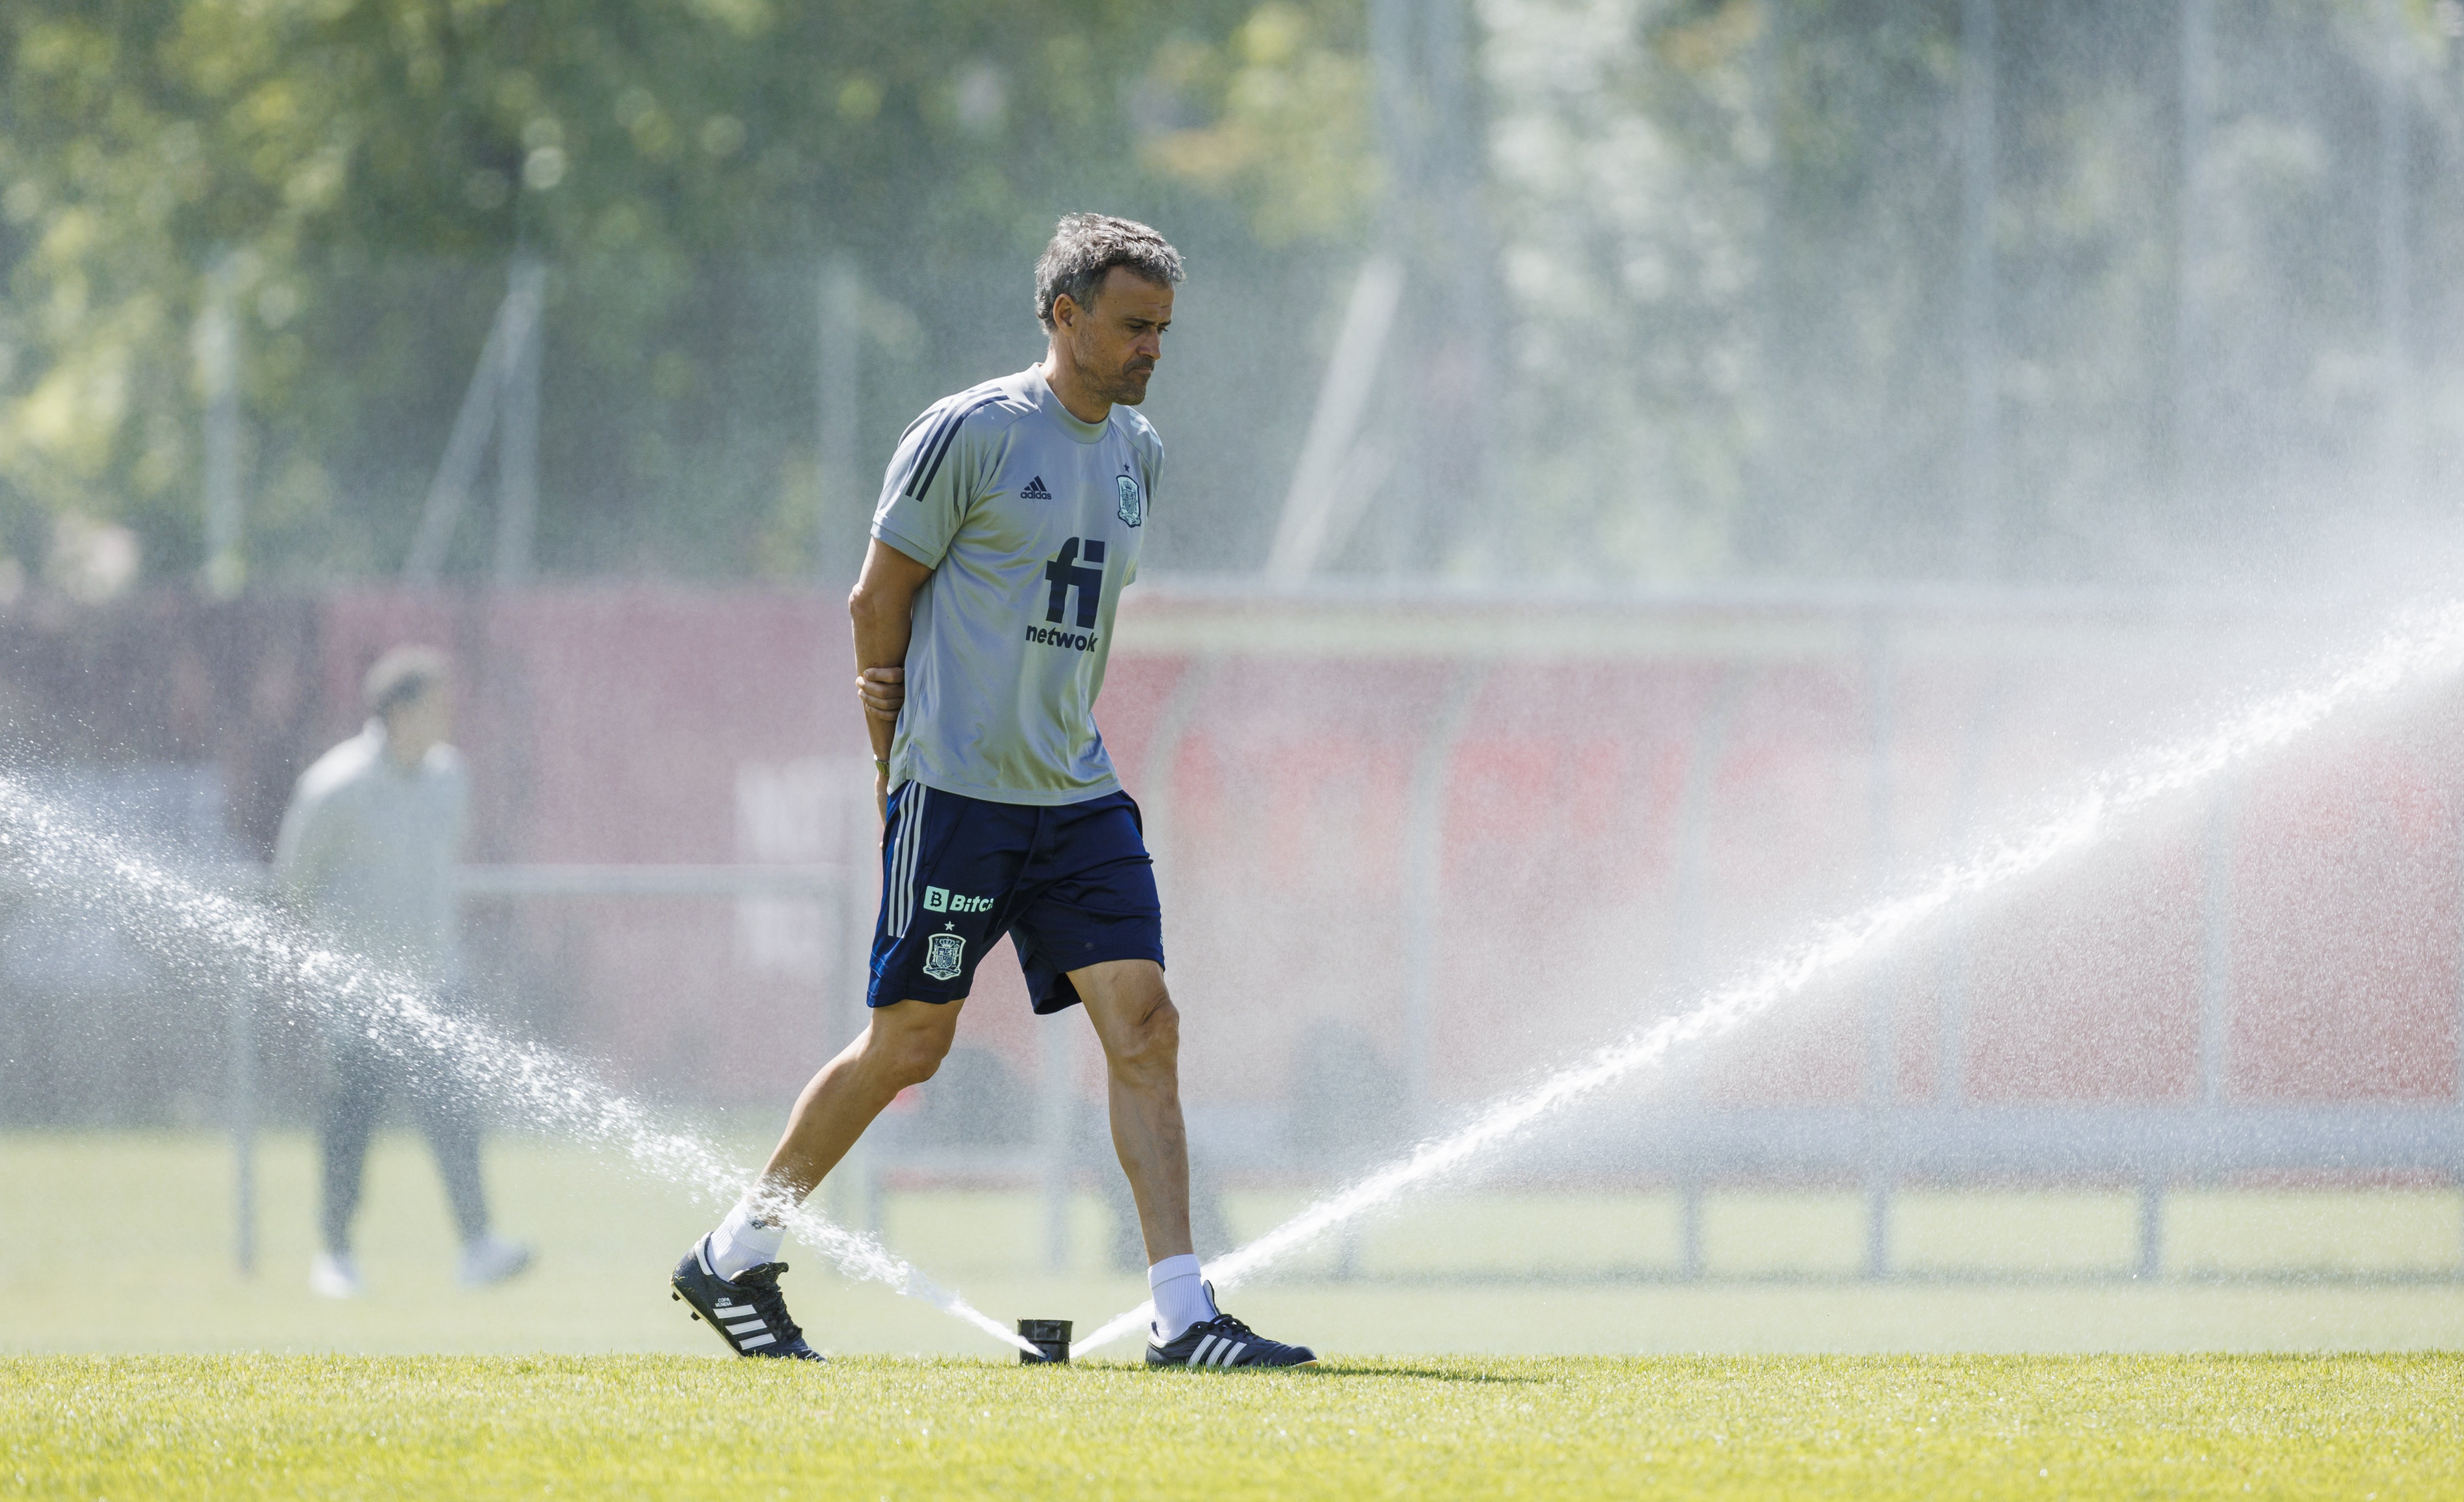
(748, 1311)
(1225, 1341)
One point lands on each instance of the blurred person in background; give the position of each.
(367, 855)
(1010, 520)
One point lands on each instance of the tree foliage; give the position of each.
(362, 171)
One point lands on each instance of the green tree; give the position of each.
(363, 171)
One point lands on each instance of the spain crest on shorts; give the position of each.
(1133, 500)
(944, 956)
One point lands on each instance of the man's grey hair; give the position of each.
(1085, 247)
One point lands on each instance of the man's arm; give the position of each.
(304, 849)
(882, 610)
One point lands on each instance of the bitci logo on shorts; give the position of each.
(941, 899)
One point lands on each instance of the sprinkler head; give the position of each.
(1051, 1336)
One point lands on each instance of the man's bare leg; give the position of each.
(1140, 1031)
(902, 1044)
(731, 1276)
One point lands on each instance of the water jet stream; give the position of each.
(203, 932)
(2402, 656)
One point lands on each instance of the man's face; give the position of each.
(1116, 340)
(415, 725)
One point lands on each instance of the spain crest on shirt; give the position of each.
(1134, 501)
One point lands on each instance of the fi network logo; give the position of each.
(1064, 574)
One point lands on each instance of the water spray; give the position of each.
(2400, 659)
(196, 928)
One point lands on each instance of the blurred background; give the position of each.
(1645, 476)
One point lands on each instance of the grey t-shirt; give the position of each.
(367, 849)
(1030, 521)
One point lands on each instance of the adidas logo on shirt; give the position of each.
(1035, 490)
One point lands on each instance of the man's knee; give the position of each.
(1150, 1046)
(907, 1052)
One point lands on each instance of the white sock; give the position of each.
(747, 1238)
(1181, 1297)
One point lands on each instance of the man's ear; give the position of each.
(1064, 310)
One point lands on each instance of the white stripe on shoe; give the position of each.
(747, 1346)
(750, 1324)
(1231, 1357)
(1197, 1357)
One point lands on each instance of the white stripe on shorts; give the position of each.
(892, 922)
(904, 865)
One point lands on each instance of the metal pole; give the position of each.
(1424, 883)
(1950, 1059)
(837, 468)
(1458, 495)
(1688, 903)
(517, 429)
(217, 344)
(2151, 1227)
(1392, 87)
(464, 447)
(1768, 397)
(2190, 352)
(1399, 96)
(2215, 952)
(1336, 470)
(1688, 899)
(1980, 447)
(2395, 261)
(1689, 1227)
(239, 1049)
(1881, 1056)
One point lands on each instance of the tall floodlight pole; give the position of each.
(1395, 28)
(1980, 437)
(2190, 334)
(217, 348)
(1761, 405)
(518, 427)
(1390, 91)
(2395, 260)
(239, 1105)
(837, 468)
(1465, 334)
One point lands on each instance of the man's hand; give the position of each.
(883, 690)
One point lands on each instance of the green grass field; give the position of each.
(149, 1214)
(1530, 1348)
(1775, 1426)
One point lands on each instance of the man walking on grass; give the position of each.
(366, 854)
(1010, 520)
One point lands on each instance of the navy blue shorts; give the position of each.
(1072, 886)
